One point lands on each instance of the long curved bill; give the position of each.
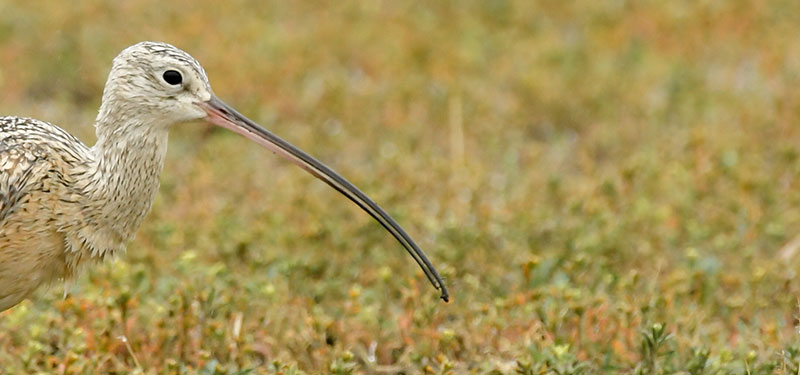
(223, 115)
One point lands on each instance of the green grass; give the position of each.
(607, 187)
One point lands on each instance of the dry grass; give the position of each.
(607, 186)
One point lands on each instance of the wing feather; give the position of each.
(31, 152)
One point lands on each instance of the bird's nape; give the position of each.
(223, 115)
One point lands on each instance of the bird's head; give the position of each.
(158, 85)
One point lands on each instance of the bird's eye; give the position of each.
(173, 77)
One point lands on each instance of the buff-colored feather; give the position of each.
(62, 203)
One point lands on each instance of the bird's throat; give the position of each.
(126, 179)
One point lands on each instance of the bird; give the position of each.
(65, 205)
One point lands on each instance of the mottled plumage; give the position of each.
(63, 204)
(39, 208)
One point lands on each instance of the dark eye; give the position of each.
(173, 77)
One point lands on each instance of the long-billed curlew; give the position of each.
(64, 204)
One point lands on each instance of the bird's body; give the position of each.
(37, 212)
(64, 204)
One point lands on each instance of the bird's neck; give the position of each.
(129, 157)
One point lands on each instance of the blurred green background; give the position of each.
(607, 186)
